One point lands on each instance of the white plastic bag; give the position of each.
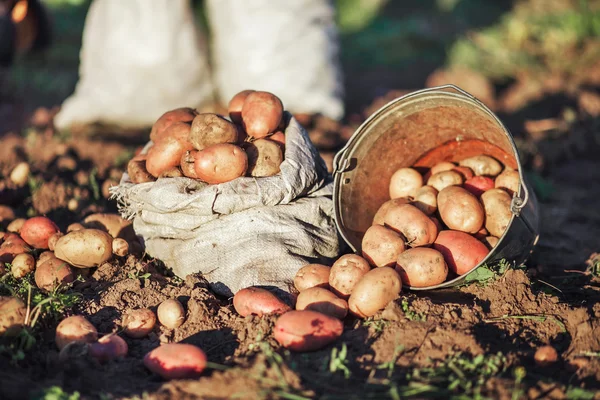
(285, 47)
(250, 231)
(138, 59)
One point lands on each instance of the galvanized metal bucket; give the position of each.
(421, 129)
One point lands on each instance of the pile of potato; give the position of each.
(442, 223)
(213, 149)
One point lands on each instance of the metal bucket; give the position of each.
(421, 129)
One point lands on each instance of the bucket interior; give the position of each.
(418, 131)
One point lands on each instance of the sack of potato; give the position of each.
(246, 202)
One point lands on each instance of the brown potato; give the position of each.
(22, 265)
(45, 256)
(20, 174)
(323, 301)
(12, 315)
(374, 291)
(442, 166)
(53, 273)
(136, 169)
(496, 203)
(258, 301)
(112, 224)
(545, 356)
(176, 361)
(264, 158)
(171, 313)
(444, 179)
(261, 114)
(166, 155)
(16, 225)
(508, 180)
(120, 247)
(174, 172)
(306, 330)
(405, 182)
(11, 247)
(379, 218)
(85, 248)
(139, 323)
(235, 105)
(184, 114)
(345, 273)
(209, 129)
(312, 275)
(381, 246)
(187, 164)
(422, 267)
(75, 329)
(416, 226)
(426, 199)
(76, 226)
(460, 210)
(53, 239)
(220, 163)
(461, 251)
(482, 165)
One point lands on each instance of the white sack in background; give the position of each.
(289, 48)
(250, 231)
(139, 58)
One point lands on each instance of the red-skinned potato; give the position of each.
(183, 114)
(461, 251)
(37, 230)
(345, 273)
(53, 273)
(12, 315)
(11, 247)
(171, 313)
(261, 114)
(466, 172)
(422, 267)
(460, 210)
(379, 218)
(258, 301)
(139, 323)
(220, 163)
(235, 105)
(482, 165)
(312, 275)
(176, 361)
(374, 291)
(496, 203)
(323, 301)
(187, 164)
(444, 179)
(166, 155)
(405, 182)
(381, 246)
(477, 185)
(264, 158)
(108, 347)
(508, 180)
(136, 169)
(426, 199)
(209, 129)
(75, 329)
(279, 138)
(306, 330)
(416, 226)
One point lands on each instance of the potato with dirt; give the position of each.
(258, 301)
(108, 348)
(262, 113)
(444, 179)
(12, 246)
(461, 251)
(381, 246)
(374, 291)
(306, 330)
(12, 315)
(178, 115)
(416, 226)
(187, 164)
(482, 165)
(136, 169)
(139, 323)
(496, 203)
(405, 182)
(264, 158)
(425, 199)
(171, 314)
(220, 163)
(312, 275)
(166, 154)
(75, 329)
(234, 108)
(379, 217)
(53, 273)
(22, 265)
(86, 248)
(422, 267)
(176, 361)
(209, 129)
(37, 230)
(345, 273)
(508, 180)
(323, 301)
(460, 210)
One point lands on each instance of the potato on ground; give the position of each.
(496, 203)
(139, 323)
(345, 273)
(416, 226)
(176, 361)
(108, 348)
(323, 301)
(460, 210)
(379, 218)
(171, 313)
(113, 224)
(426, 199)
(75, 329)
(166, 155)
(405, 182)
(444, 179)
(53, 273)
(258, 301)
(22, 264)
(422, 267)
(12, 315)
(461, 251)
(508, 180)
(136, 169)
(183, 114)
(234, 108)
(53, 239)
(264, 158)
(381, 246)
(85, 248)
(477, 185)
(209, 129)
(306, 330)
(482, 165)
(261, 114)
(16, 225)
(312, 275)
(545, 356)
(37, 230)
(12, 246)
(374, 291)
(220, 163)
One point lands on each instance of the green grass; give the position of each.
(488, 273)
(411, 314)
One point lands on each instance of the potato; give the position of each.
(374, 291)
(426, 199)
(444, 179)
(416, 226)
(381, 246)
(508, 180)
(490, 241)
(16, 225)
(76, 226)
(12, 315)
(479, 184)
(345, 273)
(136, 169)
(496, 203)
(422, 267)
(36, 231)
(20, 174)
(171, 313)
(53, 239)
(261, 114)
(279, 138)
(53, 273)
(184, 114)
(466, 172)
(306, 330)
(461, 251)
(405, 182)
(108, 347)
(139, 323)
(379, 218)
(187, 164)
(209, 129)
(220, 163)
(482, 165)
(234, 108)
(312, 275)
(166, 155)
(120, 247)
(113, 224)
(85, 248)
(11, 247)
(45, 256)
(442, 166)
(22, 264)
(176, 361)
(323, 301)
(258, 301)
(174, 172)
(460, 210)
(264, 158)
(75, 329)
(545, 356)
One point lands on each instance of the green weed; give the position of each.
(488, 273)
(94, 183)
(338, 361)
(410, 314)
(378, 325)
(56, 393)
